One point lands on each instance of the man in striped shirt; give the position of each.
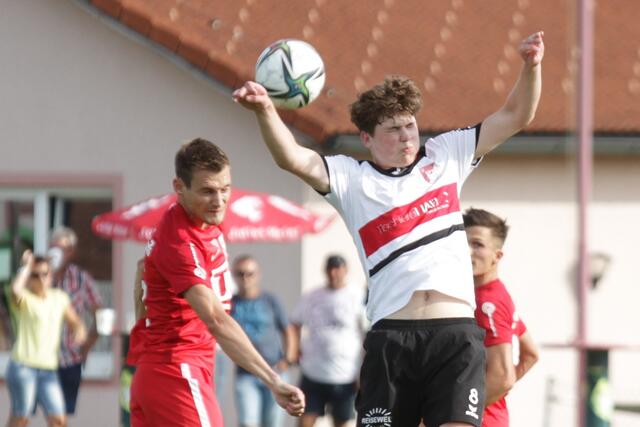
(80, 287)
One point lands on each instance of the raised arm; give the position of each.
(20, 281)
(287, 153)
(237, 346)
(528, 355)
(521, 104)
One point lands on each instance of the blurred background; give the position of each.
(96, 97)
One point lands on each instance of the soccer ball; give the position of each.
(292, 71)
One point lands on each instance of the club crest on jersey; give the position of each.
(377, 417)
(427, 171)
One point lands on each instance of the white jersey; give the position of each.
(333, 322)
(408, 226)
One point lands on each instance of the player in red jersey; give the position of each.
(496, 313)
(186, 299)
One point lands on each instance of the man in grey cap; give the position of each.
(330, 353)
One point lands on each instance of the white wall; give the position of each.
(537, 196)
(78, 97)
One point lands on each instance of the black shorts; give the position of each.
(422, 369)
(338, 397)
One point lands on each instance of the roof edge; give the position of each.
(213, 72)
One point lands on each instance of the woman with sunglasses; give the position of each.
(32, 371)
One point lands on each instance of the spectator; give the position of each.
(333, 318)
(79, 285)
(40, 312)
(496, 314)
(264, 321)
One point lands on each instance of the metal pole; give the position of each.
(585, 154)
(599, 405)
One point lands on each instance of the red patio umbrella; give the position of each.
(250, 217)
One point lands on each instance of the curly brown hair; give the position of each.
(479, 217)
(199, 154)
(395, 95)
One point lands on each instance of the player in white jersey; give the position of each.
(424, 354)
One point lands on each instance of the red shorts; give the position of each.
(496, 415)
(173, 395)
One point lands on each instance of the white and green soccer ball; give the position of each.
(292, 71)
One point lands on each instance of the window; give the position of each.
(27, 217)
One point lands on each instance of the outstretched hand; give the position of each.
(252, 96)
(290, 398)
(27, 259)
(532, 48)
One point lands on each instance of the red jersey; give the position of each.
(179, 256)
(496, 314)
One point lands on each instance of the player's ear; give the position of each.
(178, 185)
(499, 254)
(365, 138)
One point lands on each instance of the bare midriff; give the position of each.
(432, 305)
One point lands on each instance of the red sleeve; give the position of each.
(181, 263)
(519, 327)
(496, 319)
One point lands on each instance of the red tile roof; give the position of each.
(462, 53)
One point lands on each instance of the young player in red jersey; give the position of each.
(424, 357)
(496, 313)
(186, 299)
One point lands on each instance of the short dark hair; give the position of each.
(395, 95)
(479, 217)
(199, 154)
(335, 261)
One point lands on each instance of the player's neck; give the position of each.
(197, 222)
(483, 279)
